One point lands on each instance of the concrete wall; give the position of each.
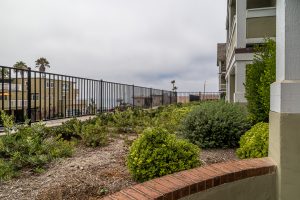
(255, 188)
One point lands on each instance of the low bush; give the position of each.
(94, 135)
(157, 153)
(170, 118)
(69, 129)
(28, 146)
(255, 142)
(6, 171)
(216, 125)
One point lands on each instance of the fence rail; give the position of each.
(186, 97)
(48, 96)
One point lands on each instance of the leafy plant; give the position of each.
(94, 134)
(216, 125)
(171, 117)
(259, 77)
(157, 153)
(28, 146)
(6, 171)
(69, 129)
(255, 142)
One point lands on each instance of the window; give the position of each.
(51, 84)
(65, 86)
(5, 97)
(35, 96)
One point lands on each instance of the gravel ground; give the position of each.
(89, 174)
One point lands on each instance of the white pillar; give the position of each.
(228, 88)
(240, 78)
(285, 101)
(241, 14)
(285, 93)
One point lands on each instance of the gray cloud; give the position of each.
(145, 42)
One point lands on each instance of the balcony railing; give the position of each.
(231, 43)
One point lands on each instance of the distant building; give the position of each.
(221, 63)
(49, 98)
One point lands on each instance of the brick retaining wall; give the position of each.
(185, 183)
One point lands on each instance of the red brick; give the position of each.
(192, 184)
(120, 196)
(149, 192)
(200, 180)
(173, 187)
(106, 198)
(135, 194)
(167, 192)
(183, 187)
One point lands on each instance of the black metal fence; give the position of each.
(25, 93)
(186, 97)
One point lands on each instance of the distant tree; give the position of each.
(3, 73)
(42, 63)
(19, 67)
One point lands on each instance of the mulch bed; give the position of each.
(90, 174)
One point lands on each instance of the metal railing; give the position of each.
(187, 97)
(36, 95)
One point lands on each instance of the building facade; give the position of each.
(248, 23)
(49, 98)
(221, 63)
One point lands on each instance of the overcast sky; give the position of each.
(145, 42)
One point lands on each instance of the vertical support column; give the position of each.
(162, 97)
(241, 16)
(29, 94)
(101, 96)
(240, 79)
(133, 95)
(284, 144)
(151, 98)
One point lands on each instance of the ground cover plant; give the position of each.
(157, 153)
(26, 146)
(216, 125)
(255, 142)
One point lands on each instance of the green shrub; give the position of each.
(255, 142)
(94, 134)
(259, 77)
(171, 117)
(29, 146)
(157, 153)
(6, 171)
(216, 125)
(69, 129)
(124, 121)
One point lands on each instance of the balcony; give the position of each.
(231, 43)
(260, 23)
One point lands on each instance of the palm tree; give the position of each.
(20, 67)
(3, 72)
(42, 63)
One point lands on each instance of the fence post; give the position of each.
(162, 97)
(101, 96)
(133, 95)
(29, 95)
(151, 97)
(170, 97)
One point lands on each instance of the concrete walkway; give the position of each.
(58, 122)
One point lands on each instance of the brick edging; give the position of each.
(181, 184)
